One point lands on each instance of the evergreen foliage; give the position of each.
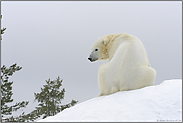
(2, 30)
(6, 94)
(50, 98)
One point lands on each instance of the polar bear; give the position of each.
(128, 67)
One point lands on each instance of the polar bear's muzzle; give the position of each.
(93, 56)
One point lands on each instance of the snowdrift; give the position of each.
(161, 102)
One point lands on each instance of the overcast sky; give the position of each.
(51, 39)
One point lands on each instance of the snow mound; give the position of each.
(161, 102)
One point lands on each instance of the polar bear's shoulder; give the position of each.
(112, 37)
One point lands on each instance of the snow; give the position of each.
(159, 103)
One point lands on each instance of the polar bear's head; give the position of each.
(99, 50)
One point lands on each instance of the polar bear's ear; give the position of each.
(104, 42)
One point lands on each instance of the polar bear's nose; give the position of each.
(90, 59)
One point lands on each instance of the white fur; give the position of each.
(128, 67)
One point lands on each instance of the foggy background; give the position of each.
(51, 39)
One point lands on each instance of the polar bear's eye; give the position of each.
(96, 49)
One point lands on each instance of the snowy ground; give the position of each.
(154, 103)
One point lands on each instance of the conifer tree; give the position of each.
(50, 99)
(6, 94)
